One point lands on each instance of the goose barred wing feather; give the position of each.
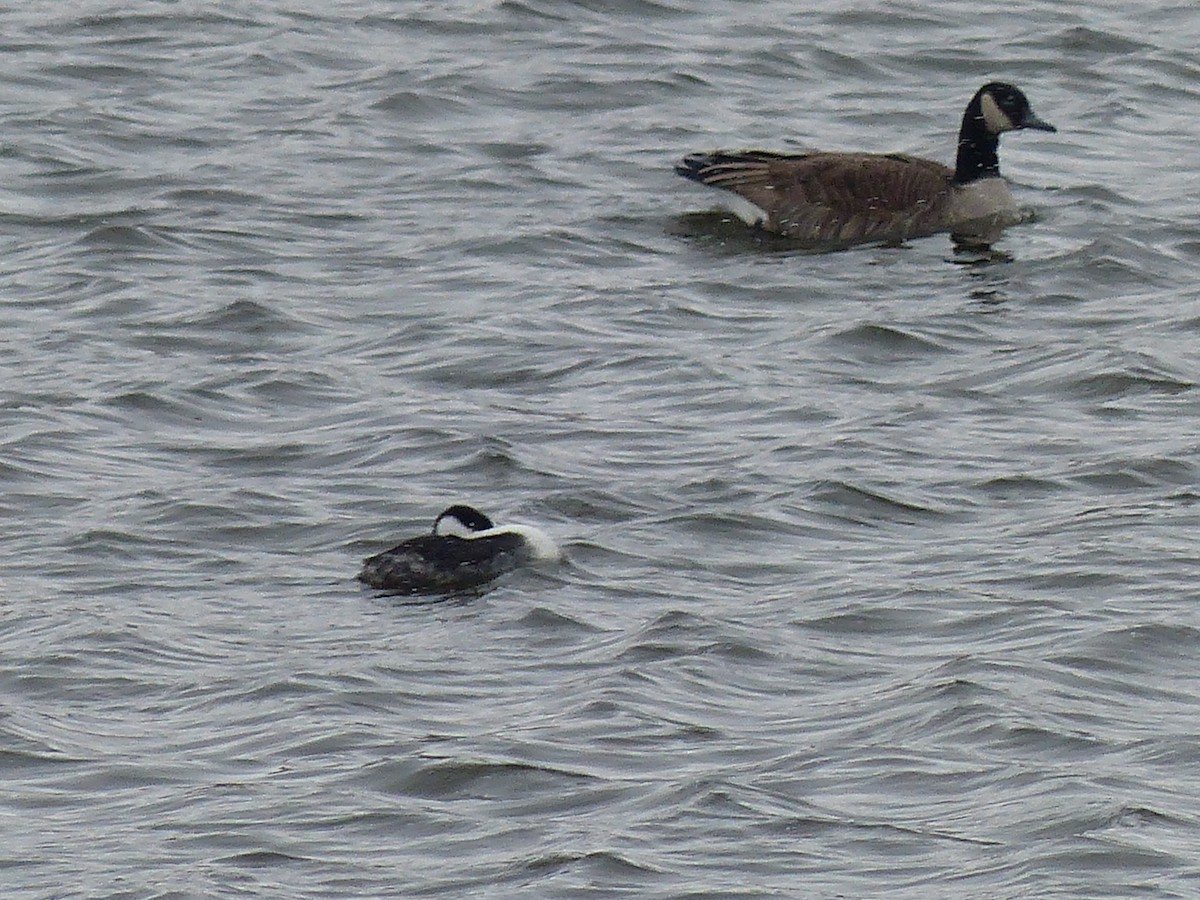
(833, 197)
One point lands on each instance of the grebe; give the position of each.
(464, 550)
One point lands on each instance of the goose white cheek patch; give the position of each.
(996, 120)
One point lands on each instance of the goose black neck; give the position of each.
(976, 147)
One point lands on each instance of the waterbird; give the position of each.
(465, 549)
(841, 199)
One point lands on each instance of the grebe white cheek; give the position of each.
(461, 521)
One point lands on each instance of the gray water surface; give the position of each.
(881, 574)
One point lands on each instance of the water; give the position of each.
(881, 571)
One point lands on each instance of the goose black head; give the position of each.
(997, 107)
(1003, 107)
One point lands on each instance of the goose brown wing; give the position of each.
(834, 197)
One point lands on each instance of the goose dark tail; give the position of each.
(722, 167)
(695, 166)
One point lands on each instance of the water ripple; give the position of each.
(880, 567)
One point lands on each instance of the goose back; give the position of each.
(836, 198)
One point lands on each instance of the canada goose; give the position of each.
(839, 199)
